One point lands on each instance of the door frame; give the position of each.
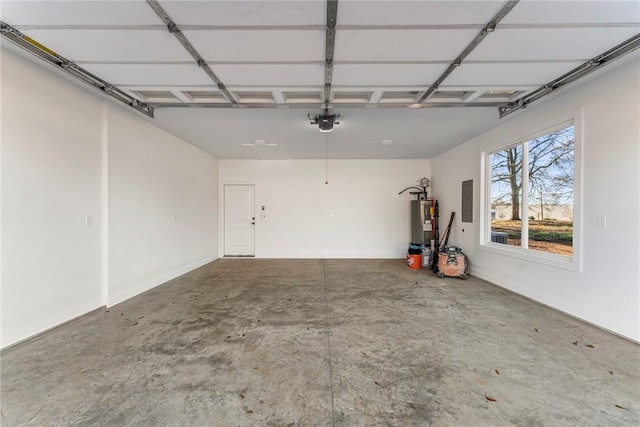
(221, 216)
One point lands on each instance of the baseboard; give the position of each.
(600, 320)
(117, 298)
(325, 255)
(48, 323)
(45, 325)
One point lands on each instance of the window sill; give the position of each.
(557, 261)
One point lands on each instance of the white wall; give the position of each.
(68, 154)
(51, 180)
(358, 214)
(607, 291)
(155, 177)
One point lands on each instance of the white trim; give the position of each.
(558, 261)
(221, 216)
(578, 179)
(105, 204)
(1, 222)
(524, 196)
(117, 298)
(573, 263)
(604, 320)
(50, 322)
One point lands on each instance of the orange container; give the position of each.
(414, 261)
(452, 264)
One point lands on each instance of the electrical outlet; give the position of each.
(601, 222)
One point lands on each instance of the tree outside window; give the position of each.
(542, 219)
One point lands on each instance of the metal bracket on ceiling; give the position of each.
(580, 71)
(175, 30)
(489, 28)
(71, 68)
(329, 47)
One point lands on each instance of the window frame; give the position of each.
(574, 262)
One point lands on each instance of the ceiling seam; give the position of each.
(314, 105)
(173, 29)
(330, 41)
(347, 62)
(489, 28)
(356, 27)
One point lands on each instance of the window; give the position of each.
(531, 192)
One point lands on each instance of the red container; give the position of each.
(414, 261)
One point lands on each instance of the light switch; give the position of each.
(88, 221)
(601, 222)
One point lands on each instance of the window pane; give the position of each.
(550, 215)
(506, 195)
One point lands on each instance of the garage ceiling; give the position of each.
(271, 58)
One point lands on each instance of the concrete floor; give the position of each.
(323, 342)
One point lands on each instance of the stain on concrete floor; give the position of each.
(244, 342)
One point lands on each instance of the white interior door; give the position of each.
(239, 220)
